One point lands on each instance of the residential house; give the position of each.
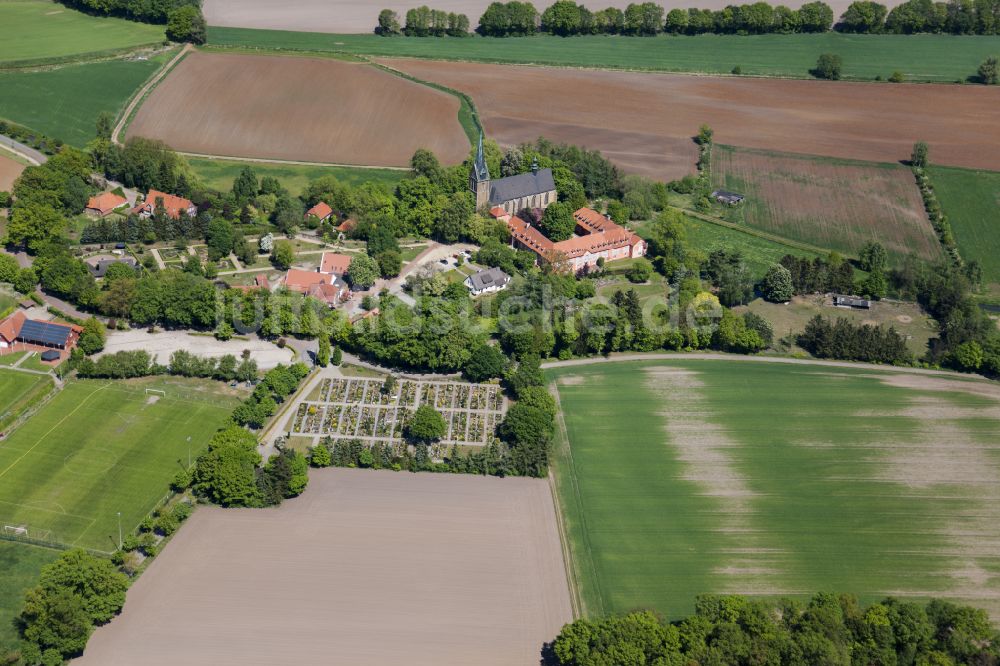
(487, 282)
(321, 211)
(105, 204)
(334, 263)
(172, 205)
(99, 266)
(535, 189)
(330, 289)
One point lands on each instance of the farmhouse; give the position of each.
(536, 189)
(99, 266)
(105, 204)
(487, 282)
(172, 205)
(597, 237)
(851, 302)
(321, 211)
(727, 198)
(329, 289)
(18, 333)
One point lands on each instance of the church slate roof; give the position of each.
(521, 185)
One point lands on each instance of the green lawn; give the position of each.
(920, 57)
(725, 476)
(971, 200)
(99, 448)
(20, 564)
(18, 390)
(220, 174)
(47, 32)
(64, 102)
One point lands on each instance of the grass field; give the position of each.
(839, 204)
(689, 477)
(20, 564)
(64, 102)
(46, 32)
(920, 57)
(99, 448)
(17, 391)
(971, 200)
(220, 174)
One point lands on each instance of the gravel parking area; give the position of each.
(161, 345)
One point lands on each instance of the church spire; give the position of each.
(480, 169)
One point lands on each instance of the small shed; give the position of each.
(50, 356)
(857, 302)
(728, 198)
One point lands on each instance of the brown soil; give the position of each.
(307, 109)
(365, 568)
(645, 122)
(355, 16)
(9, 171)
(840, 205)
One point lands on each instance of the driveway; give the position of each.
(162, 345)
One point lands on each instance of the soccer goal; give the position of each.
(15, 530)
(160, 392)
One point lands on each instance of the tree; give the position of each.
(33, 223)
(873, 257)
(319, 456)
(337, 356)
(105, 125)
(863, 16)
(219, 237)
(283, 255)
(186, 24)
(815, 17)
(640, 271)
(562, 18)
(828, 66)
(389, 263)
(426, 425)
(989, 71)
(92, 337)
(557, 221)
(245, 185)
(920, 155)
(362, 272)
(323, 352)
(388, 23)
(777, 284)
(226, 474)
(486, 362)
(704, 135)
(968, 356)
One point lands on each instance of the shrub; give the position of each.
(828, 66)
(989, 71)
(897, 77)
(640, 271)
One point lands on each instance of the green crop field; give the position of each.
(17, 391)
(220, 174)
(920, 57)
(64, 102)
(760, 253)
(20, 564)
(971, 200)
(103, 447)
(46, 32)
(733, 476)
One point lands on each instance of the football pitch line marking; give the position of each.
(30, 507)
(49, 431)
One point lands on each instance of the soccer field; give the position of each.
(721, 476)
(99, 448)
(17, 391)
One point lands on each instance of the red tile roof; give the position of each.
(603, 234)
(320, 210)
(348, 225)
(334, 263)
(172, 204)
(10, 327)
(301, 280)
(106, 202)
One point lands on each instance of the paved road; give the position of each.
(702, 356)
(27, 152)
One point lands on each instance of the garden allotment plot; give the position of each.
(726, 476)
(98, 448)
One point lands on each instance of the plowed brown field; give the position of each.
(644, 121)
(366, 568)
(314, 110)
(9, 171)
(838, 204)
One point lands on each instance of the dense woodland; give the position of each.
(829, 630)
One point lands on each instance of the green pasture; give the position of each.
(971, 200)
(64, 102)
(919, 57)
(18, 390)
(690, 477)
(20, 564)
(103, 447)
(220, 174)
(760, 253)
(41, 32)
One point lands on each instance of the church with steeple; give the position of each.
(535, 189)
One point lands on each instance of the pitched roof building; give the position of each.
(172, 205)
(105, 203)
(535, 189)
(100, 267)
(334, 263)
(487, 282)
(597, 237)
(328, 288)
(320, 210)
(17, 328)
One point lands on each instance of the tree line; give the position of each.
(423, 22)
(831, 629)
(183, 18)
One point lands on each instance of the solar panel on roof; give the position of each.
(44, 333)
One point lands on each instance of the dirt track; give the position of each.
(353, 16)
(317, 110)
(645, 122)
(9, 171)
(365, 568)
